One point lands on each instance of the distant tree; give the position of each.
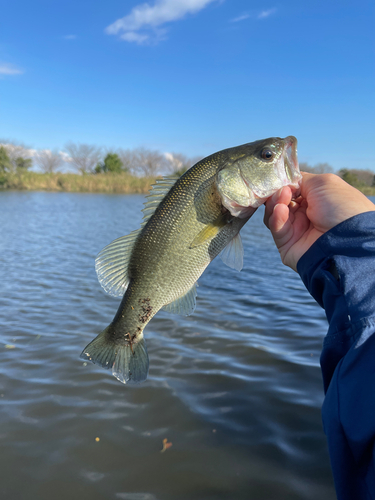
(18, 154)
(23, 164)
(178, 163)
(318, 168)
(48, 161)
(349, 177)
(127, 158)
(304, 166)
(111, 164)
(365, 177)
(84, 157)
(5, 163)
(147, 162)
(322, 168)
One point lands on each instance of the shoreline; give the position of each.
(123, 183)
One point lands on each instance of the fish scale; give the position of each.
(187, 223)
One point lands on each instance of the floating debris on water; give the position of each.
(166, 445)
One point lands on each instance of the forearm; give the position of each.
(339, 272)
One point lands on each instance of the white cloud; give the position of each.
(133, 36)
(141, 25)
(70, 37)
(254, 15)
(266, 13)
(10, 69)
(240, 18)
(65, 156)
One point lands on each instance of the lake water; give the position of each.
(236, 387)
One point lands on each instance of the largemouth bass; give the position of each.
(187, 223)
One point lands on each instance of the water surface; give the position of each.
(236, 387)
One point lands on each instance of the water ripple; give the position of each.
(236, 387)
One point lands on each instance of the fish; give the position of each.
(187, 222)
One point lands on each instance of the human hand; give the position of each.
(325, 201)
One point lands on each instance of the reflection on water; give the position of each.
(236, 387)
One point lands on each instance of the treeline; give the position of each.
(91, 169)
(117, 170)
(360, 178)
(90, 159)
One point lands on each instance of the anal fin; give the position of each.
(185, 304)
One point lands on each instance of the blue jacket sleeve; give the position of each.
(339, 272)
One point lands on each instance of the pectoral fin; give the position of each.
(211, 230)
(232, 254)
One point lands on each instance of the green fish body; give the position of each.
(187, 223)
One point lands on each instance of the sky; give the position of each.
(191, 76)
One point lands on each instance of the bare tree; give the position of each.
(147, 162)
(323, 168)
(48, 161)
(84, 157)
(178, 163)
(305, 167)
(127, 158)
(19, 154)
(318, 168)
(364, 176)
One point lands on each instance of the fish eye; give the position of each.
(266, 154)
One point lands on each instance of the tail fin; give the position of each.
(129, 363)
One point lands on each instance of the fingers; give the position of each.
(278, 220)
(279, 215)
(282, 197)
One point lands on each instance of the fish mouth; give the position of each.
(288, 174)
(292, 172)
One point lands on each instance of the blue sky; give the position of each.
(191, 76)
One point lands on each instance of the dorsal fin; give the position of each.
(112, 264)
(185, 304)
(157, 193)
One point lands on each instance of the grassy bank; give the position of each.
(367, 190)
(74, 183)
(101, 183)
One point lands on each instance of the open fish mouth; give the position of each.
(293, 175)
(249, 184)
(288, 174)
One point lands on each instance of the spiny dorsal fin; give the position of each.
(232, 254)
(112, 264)
(185, 304)
(157, 193)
